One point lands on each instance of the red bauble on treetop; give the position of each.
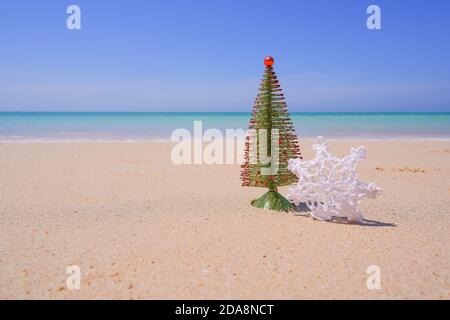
(269, 61)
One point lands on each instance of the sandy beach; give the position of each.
(140, 227)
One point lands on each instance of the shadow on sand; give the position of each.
(302, 210)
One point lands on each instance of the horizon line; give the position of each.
(235, 112)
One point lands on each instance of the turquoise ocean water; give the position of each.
(98, 126)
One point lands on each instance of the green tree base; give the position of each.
(272, 200)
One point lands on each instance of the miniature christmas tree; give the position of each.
(270, 144)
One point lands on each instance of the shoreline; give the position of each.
(167, 140)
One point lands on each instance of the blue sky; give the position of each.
(144, 55)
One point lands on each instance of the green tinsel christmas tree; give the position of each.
(271, 129)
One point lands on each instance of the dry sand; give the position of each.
(140, 227)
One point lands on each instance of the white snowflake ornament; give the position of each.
(329, 185)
